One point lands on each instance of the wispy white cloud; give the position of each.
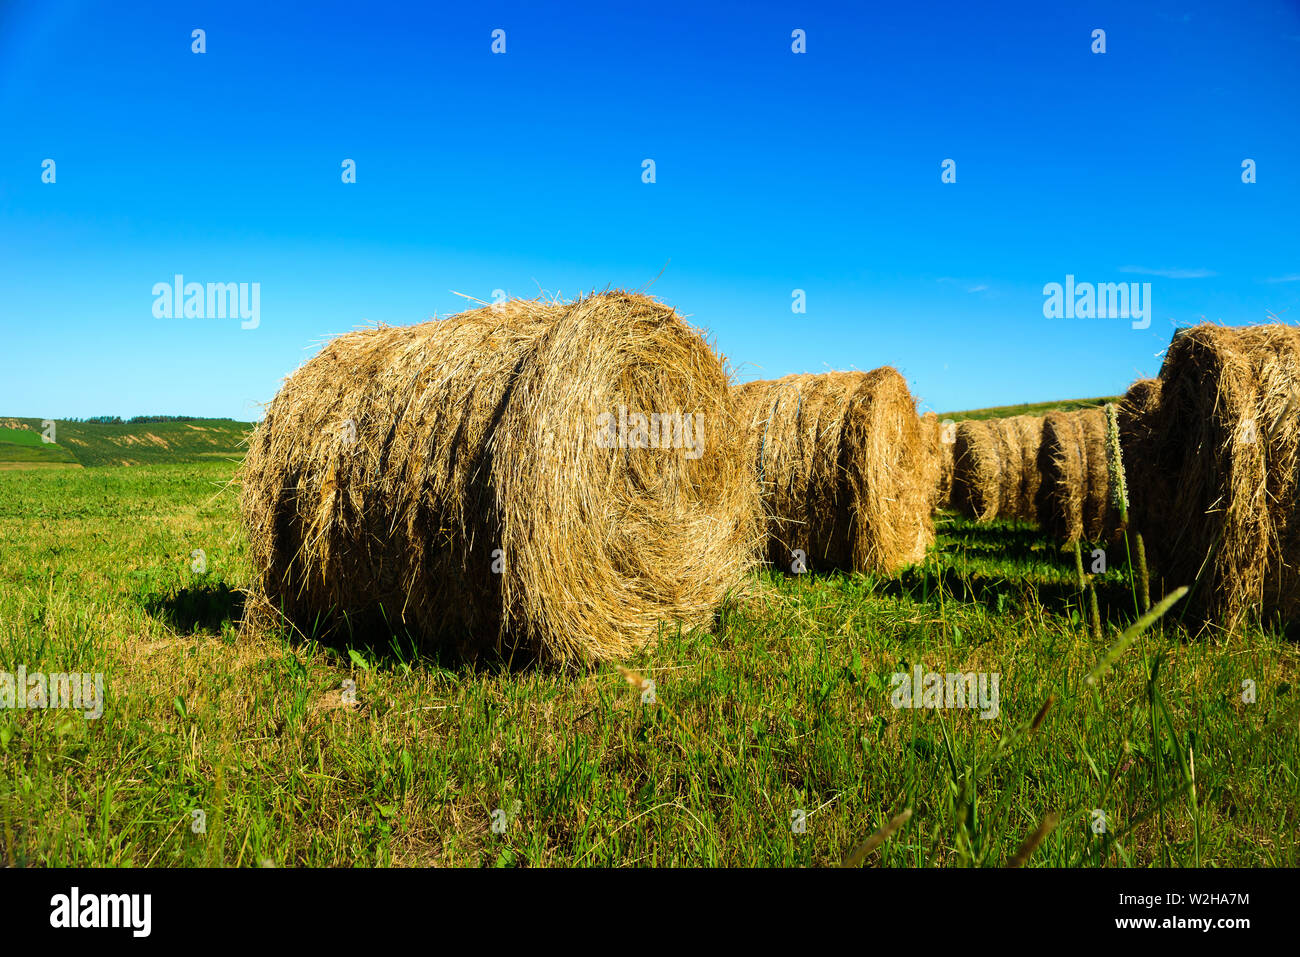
(1291, 277)
(977, 287)
(1170, 273)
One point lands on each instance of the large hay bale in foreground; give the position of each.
(559, 478)
(1217, 505)
(842, 465)
(995, 467)
(1075, 494)
(939, 439)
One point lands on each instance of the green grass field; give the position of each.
(779, 714)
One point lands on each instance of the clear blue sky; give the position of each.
(521, 171)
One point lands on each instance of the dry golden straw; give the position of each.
(1075, 494)
(1137, 421)
(471, 480)
(995, 467)
(939, 458)
(843, 466)
(1142, 397)
(1215, 495)
(977, 471)
(1029, 439)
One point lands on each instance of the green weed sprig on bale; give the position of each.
(1115, 463)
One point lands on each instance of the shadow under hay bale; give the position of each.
(557, 478)
(843, 469)
(204, 607)
(1215, 495)
(1074, 498)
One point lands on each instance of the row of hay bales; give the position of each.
(1208, 455)
(1054, 470)
(504, 479)
(564, 479)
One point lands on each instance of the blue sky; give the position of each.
(775, 171)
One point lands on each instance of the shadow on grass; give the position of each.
(1000, 542)
(1001, 594)
(995, 535)
(368, 639)
(201, 608)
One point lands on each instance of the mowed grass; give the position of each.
(782, 707)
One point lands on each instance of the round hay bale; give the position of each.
(842, 465)
(1027, 431)
(1217, 504)
(1007, 442)
(1141, 399)
(947, 445)
(1074, 494)
(558, 478)
(996, 467)
(939, 440)
(977, 470)
(1137, 415)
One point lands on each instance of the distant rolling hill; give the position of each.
(1030, 408)
(92, 444)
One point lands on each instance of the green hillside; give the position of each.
(23, 448)
(92, 444)
(1029, 408)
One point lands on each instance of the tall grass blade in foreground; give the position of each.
(1131, 634)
